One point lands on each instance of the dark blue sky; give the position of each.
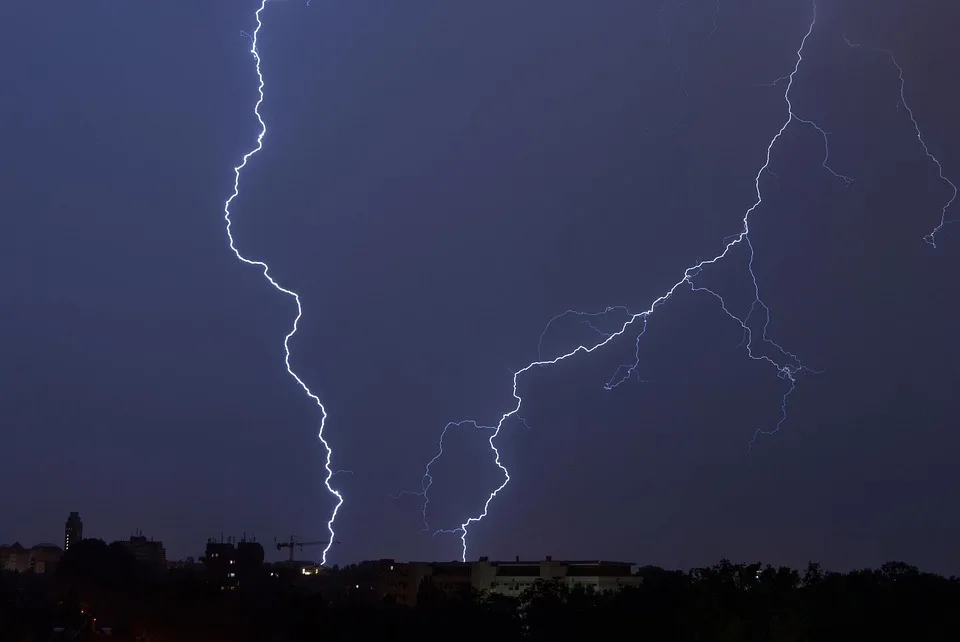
(437, 182)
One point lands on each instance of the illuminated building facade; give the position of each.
(402, 581)
(41, 559)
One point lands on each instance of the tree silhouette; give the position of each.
(723, 602)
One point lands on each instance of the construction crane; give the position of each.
(293, 543)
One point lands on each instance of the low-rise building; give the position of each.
(512, 578)
(15, 558)
(41, 559)
(44, 558)
(147, 552)
(402, 580)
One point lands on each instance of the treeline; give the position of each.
(725, 602)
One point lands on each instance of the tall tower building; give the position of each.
(73, 531)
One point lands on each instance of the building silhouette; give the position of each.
(147, 552)
(229, 564)
(73, 530)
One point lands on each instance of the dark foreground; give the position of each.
(722, 603)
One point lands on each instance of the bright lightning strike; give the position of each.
(930, 238)
(586, 318)
(427, 481)
(786, 364)
(266, 273)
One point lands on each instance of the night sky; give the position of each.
(439, 180)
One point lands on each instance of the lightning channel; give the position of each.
(786, 364)
(931, 237)
(427, 480)
(585, 317)
(255, 52)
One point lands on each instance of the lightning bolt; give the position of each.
(585, 317)
(266, 274)
(930, 238)
(786, 364)
(427, 480)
